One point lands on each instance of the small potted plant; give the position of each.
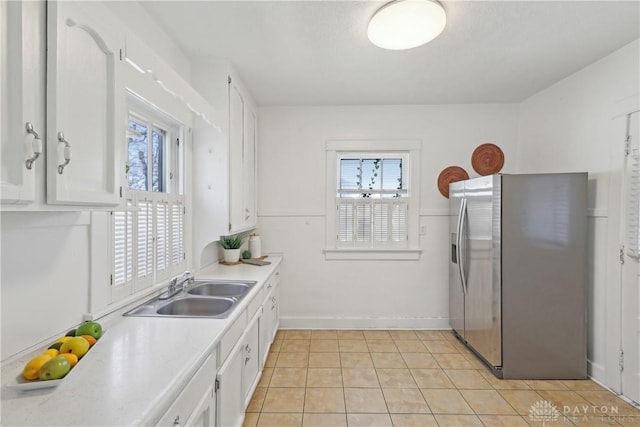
(231, 246)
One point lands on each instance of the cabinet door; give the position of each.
(236, 161)
(249, 167)
(229, 397)
(275, 308)
(195, 405)
(85, 104)
(204, 415)
(251, 360)
(22, 35)
(266, 324)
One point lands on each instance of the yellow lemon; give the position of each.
(76, 345)
(52, 352)
(33, 366)
(72, 358)
(63, 339)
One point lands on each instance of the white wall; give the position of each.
(45, 276)
(291, 200)
(575, 125)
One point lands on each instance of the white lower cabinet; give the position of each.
(196, 405)
(238, 377)
(270, 316)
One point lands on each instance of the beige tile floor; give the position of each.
(411, 378)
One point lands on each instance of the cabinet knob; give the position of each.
(270, 285)
(67, 152)
(36, 145)
(176, 422)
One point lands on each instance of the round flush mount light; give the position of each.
(405, 24)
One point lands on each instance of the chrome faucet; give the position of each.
(177, 285)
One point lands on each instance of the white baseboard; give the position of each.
(596, 372)
(363, 323)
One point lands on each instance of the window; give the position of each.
(372, 200)
(372, 191)
(148, 237)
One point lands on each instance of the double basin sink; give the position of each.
(202, 298)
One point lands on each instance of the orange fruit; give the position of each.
(89, 338)
(72, 358)
(32, 368)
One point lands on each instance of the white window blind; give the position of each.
(123, 247)
(144, 260)
(162, 236)
(372, 222)
(177, 230)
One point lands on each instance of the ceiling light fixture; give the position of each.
(405, 24)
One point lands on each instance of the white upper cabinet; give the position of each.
(85, 104)
(249, 167)
(224, 160)
(236, 154)
(22, 122)
(242, 160)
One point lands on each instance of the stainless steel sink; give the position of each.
(220, 289)
(194, 306)
(203, 298)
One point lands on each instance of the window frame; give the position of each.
(410, 151)
(174, 198)
(173, 165)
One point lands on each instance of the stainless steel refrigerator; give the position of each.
(517, 272)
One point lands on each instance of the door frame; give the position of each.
(615, 229)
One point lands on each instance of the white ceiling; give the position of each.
(317, 52)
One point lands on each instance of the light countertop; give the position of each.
(134, 372)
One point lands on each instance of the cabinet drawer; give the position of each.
(231, 337)
(255, 304)
(192, 393)
(272, 282)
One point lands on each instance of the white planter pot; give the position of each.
(231, 255)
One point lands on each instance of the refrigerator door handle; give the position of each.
(460, 228)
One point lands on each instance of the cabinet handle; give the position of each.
(246, 359)
(176, 422)
(247, 348)
(67, 152)
(273, 307)
(270, 285)
(247, 213)
(36, 145)
(274, 300)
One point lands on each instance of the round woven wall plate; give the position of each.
(487, 159)
(449, 175)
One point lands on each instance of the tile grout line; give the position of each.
(439, 364)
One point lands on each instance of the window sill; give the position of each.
(331, 254)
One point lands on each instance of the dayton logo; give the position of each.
(544, 411)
